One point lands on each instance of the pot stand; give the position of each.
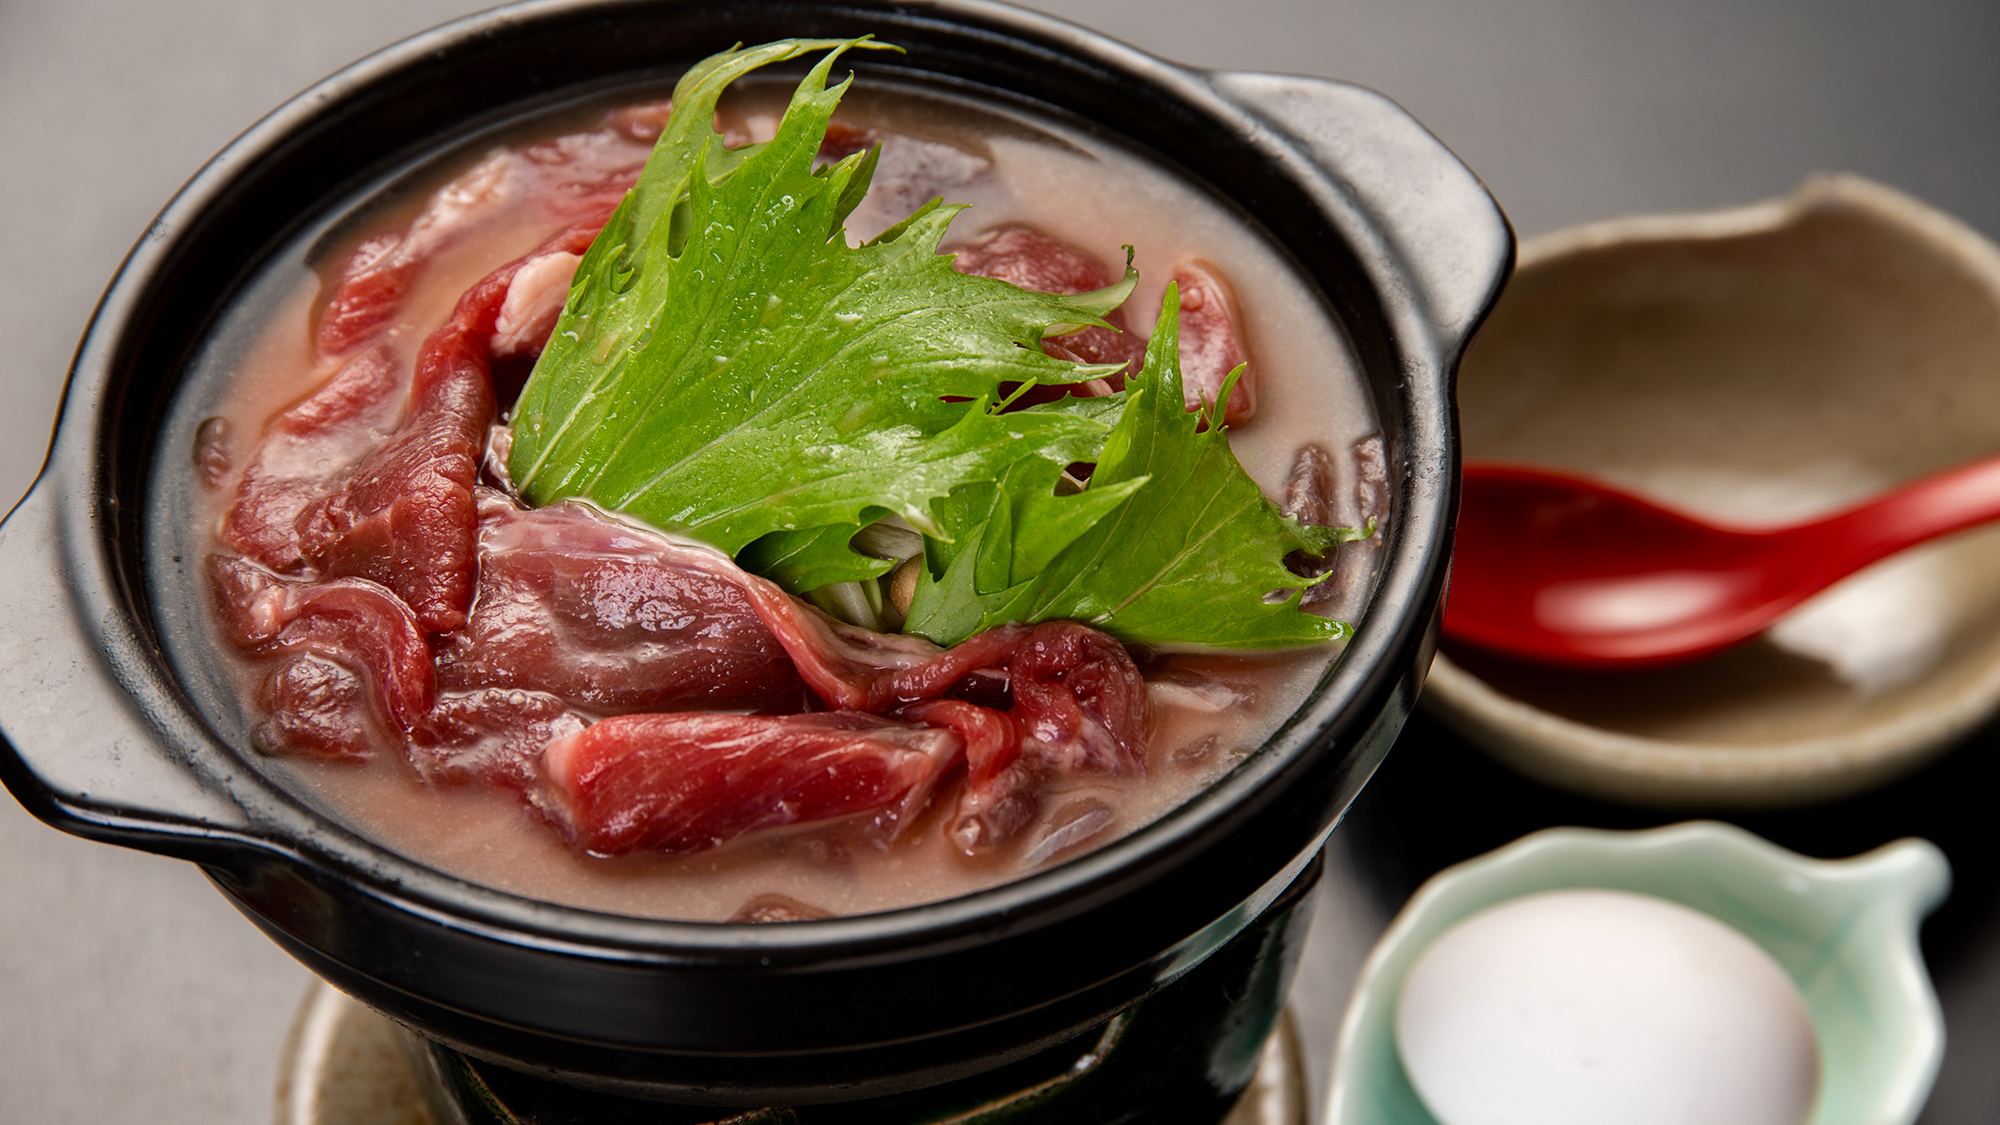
(347, 1065)
(1182, 1056)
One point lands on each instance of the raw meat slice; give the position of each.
(1077, 703)
(1029, 258)
(1001, 794)
(494, 735)
(328, 495)
(684, 783)
(1211, 344)
(612, 619)
(1079, 699)
(843, 140)
(1075, 691)
(318, 708)
(349, 621)
(406, 516)
(336, 425)
(571, 179)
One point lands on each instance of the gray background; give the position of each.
(129, 989)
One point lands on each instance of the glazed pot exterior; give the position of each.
(103, 739)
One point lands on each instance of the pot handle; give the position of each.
(78, 750)
(1442, 238)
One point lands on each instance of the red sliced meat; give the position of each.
(1076, 693)
(1211, 342)
(327, 496)
(992, 741)
(495, 735)
(1077, 702)
(843, 140)
(991, 814)
(1023, 256)
(334, 426)
(352, 623)
(1001, 794)
(684, 783)
(839, 662)
(571, 179)
(405, 516)
(318, 708)
(1079, 699)
(616, 620)
(373, 282)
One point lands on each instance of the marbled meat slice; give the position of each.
(1211, 343)
(404, 514)
(350, 623)
(494, 735)
(570, 179)
(1024, 256)
(684, 783)
(613, 619)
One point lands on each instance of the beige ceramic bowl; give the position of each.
(1760, 364)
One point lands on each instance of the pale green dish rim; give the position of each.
(1845, 930)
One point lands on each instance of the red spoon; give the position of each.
(1562, 570)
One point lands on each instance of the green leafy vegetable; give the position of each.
(1187, 551)
(806, 560)
(726, 365)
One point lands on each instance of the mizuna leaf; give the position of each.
(820, 556)
(1193, 553)
(727, 366)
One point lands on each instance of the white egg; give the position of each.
(1595, 1007)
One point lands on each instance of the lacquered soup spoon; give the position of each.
(1563, 570)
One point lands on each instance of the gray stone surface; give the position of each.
(129, 990)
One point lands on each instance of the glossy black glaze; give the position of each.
(1407, 249)
(1179, 1057)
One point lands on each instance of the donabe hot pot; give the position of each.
(1404, 246)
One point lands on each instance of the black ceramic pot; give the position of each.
(105, 740)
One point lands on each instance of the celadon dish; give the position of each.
(1844, 930)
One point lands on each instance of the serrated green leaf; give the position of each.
(1189, 558)
(728, 366)
(1020, 521)
(819, 556)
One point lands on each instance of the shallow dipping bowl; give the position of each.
(1756, 365)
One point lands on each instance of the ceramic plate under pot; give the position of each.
(1404, 247)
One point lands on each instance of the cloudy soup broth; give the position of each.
(437, 229)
